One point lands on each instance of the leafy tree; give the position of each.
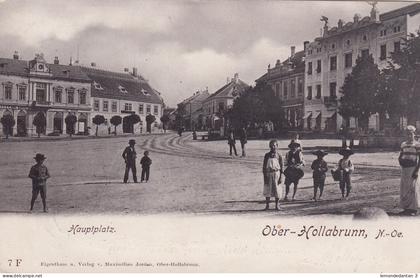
(149, 120)
(132, 120)
(40, 123)
(179, 117)
(116, 121)
(8, 123)
(70, 124)
(98, 120)
(402, 92)
(165, 120)
(361, 91)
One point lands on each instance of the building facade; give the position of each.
(330, 58)
(50, 91)
(287, 80)
(123, 94)
(193, 110)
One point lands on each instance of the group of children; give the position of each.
(39, 172)
(294, 163)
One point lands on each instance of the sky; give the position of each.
(178, 46)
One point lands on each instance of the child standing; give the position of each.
(272, 171)
(39, 175)
(346, 167)
(293, 172)
(145, 165)
(319, 167)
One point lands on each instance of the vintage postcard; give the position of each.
(209, 136)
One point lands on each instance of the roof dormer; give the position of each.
(38, 65)
(122, 89)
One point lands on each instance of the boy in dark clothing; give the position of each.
(232, 142)
(319, 167)
(145, 165)
(294, 171)
(39, 175)
(129, 156)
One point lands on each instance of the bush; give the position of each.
(8, 123)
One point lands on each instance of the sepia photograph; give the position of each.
(209, 136)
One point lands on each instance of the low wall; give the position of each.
(375, 141)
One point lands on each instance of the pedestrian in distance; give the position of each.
(320, 168)
(145, 165)
(272, 171)
(39, 175)
(243, 139)
(293, 171)
(410, 182)
(130, 156)
(232, 142)
(346, 168)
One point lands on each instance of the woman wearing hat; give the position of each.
(39, 175)
(409, 162)
(293, 172)
(346, 167)
(319, 167)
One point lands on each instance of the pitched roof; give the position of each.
(410, 10)
(284, 69)
(230, 90)
(122, 86)
(61, 72)
(199, 96)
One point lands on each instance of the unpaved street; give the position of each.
(186, 176)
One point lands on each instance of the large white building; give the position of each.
(330, 58)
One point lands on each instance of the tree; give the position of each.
(165, 120)
(179, 116)
(116, 121)
(40, 123)
(402, 92)
(149, 120)
(98, 120)
(70, 123)
(256, 105)
(132, 120)
(8, 123)
(361, 91)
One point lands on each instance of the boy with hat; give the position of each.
(129, 156)
(145, 165)
(346, 167)
(39, 175)
(319, 167)
(294, 164)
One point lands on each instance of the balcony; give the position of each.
(330, 101)
(40, 103)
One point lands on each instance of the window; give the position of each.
(285, 89)
(57, 95)
(141, 108)
(144, 92)
(127, 107)
(383, 32)
(318, 91)
(318, 66)
(348, 42)
(333, 63)
(97, 85)
(397, 29)
(105, 106)
(70, 97)
(397, 46)
(96, 105)
(8, 92)
(383, 52)
(348, 60)
(292, 88)
(365, 53)
(333, 46)
(333, 89)
(277, 89)
(300, 87)
(122, 89)
(22, 93)
(82, 97)
(309, 97)
(364, 38)
(148, 108)
(155, 109)
(114, 106)
(309, 68)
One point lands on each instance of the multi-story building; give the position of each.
(193, 112)
(52, 91)
(287, 81)
(215, 106)
(330, 58)
(123, 94)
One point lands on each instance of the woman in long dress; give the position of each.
(272, 171)
(410, 184)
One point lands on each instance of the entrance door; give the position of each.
(127, 126)
(58, 122)
(21, 124)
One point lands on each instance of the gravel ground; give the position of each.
(186, 177)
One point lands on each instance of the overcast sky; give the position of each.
(179, 46)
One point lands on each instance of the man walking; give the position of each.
(232, 142)
(243, 138)
(129, 156)
(39, 175)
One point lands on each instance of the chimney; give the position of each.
(236, 78)
(305, 45)
(356, 18)
(93, 65)
(56, 61)
(292, 51)
(126, 69)
(340, 24)
(16, 55)
(277, 63)
(135, 72)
